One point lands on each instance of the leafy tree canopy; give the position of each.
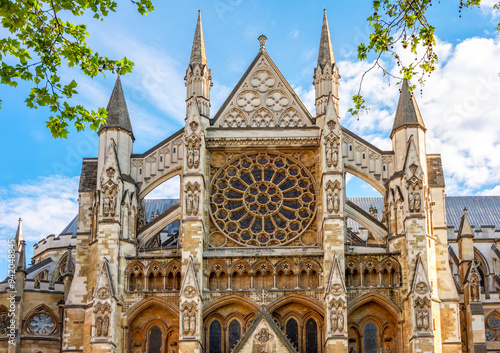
(404, 23)
(41, 42)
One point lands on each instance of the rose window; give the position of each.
(264, 199)
(492, 328)
(42, 324)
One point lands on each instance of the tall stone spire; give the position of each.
(117, 110)
(325, 55)
(407, 112)
(198, 76)
(19, 234)
(326, 74)
(21, 262)
(198, 53)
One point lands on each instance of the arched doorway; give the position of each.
(153, 327)
(373, 325)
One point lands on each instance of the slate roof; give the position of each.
(481, 210)
(435, 173)
(38, 265)
(88, 176)
(71, 227)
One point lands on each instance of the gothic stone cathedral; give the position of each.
(263, 252)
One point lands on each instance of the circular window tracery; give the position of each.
(262, 199)
(41, 323)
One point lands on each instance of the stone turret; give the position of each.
(118, 128)
(198, 75)
(407, 122)
(326, 74)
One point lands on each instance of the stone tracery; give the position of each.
(262, 199)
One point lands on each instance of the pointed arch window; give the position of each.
(234, 334)
(215, 337)
(370, 337)
(292, 332)
(155, 338)
(311, 336)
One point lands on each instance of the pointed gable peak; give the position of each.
(198, 53)
(420, 284)
(262, 99)
(465, 227)
(332, 119)
(117, 110)
(407, 112)
(325, 55)
(104, 285)
(190, 282)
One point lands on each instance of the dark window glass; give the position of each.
(215, 337)
(311, 336)
(155, 340)
(292, 331)
(370, 334)
(234, 334)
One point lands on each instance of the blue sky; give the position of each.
(459, 103)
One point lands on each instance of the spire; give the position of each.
(117, 109)
(21, 262)
(19, 234)
(407, 113)
(325, 55)
(198, 54)
(465, 229)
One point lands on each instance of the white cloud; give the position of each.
(46, 206)
(170, 189)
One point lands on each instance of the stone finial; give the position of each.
(262, 40)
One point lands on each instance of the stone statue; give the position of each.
(335, 155)
(106, 207)
(190, 157)
(474, 291)
(105, 326)
(419, 319)
(329, 201)
(336, 202)
(334, 320)
(425, 319)
(196, 161)
(418, 201)
(98, 326)
(186, 322)
(411, 201)
(341, 321)
(112, 206)
(329, 154)
(196, 203)
(192, 324)
(189, 203)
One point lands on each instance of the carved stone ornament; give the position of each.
(414, 200)
(102, 293)
(110, 172)
(332, 151)
(421, 288)
(189, 292)
(189, 321)
(193, 125)
(336, 289)
(332, 197)
(264, 336)
(193, 151)
(331, 124)
(422, 314)
(192, 196)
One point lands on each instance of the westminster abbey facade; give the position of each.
(262, 252)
